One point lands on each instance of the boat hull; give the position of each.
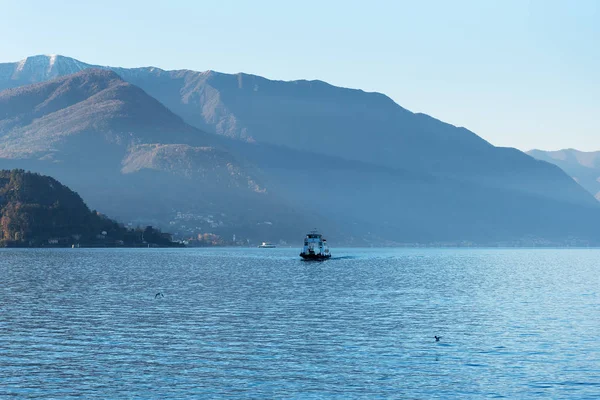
(315, 257)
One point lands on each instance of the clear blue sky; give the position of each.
(519, 73)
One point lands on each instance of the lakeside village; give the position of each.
(210, 230)
(205, 230)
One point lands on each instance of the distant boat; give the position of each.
(267, 245)
(315, 247)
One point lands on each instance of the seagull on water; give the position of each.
(159, 294)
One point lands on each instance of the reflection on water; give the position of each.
(261, 323)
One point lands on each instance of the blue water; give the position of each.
(260, 323)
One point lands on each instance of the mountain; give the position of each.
(274, 159)
(316, 117)
(92, 105)
(94, 117)
(38, 210)
(583, 167)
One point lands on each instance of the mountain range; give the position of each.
(270, 159)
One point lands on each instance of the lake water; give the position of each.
(260, 323)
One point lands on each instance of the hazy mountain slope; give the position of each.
(584, 167)
(402, 206)
(191, 162)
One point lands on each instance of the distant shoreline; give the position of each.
(291, 248)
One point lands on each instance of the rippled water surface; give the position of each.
(260, 323)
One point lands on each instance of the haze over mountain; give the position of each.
(583, 166)
(293, 154)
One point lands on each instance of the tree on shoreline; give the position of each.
(37, 210)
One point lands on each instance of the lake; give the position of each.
(260, 323)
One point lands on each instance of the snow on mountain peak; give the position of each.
(47, 66)
(51, 60)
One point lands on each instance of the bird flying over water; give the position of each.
(159, 294)
(437, 338)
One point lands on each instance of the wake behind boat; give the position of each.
(315, 247)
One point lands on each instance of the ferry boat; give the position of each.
(315, 247)
(267, 245)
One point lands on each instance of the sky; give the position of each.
(519, 73)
